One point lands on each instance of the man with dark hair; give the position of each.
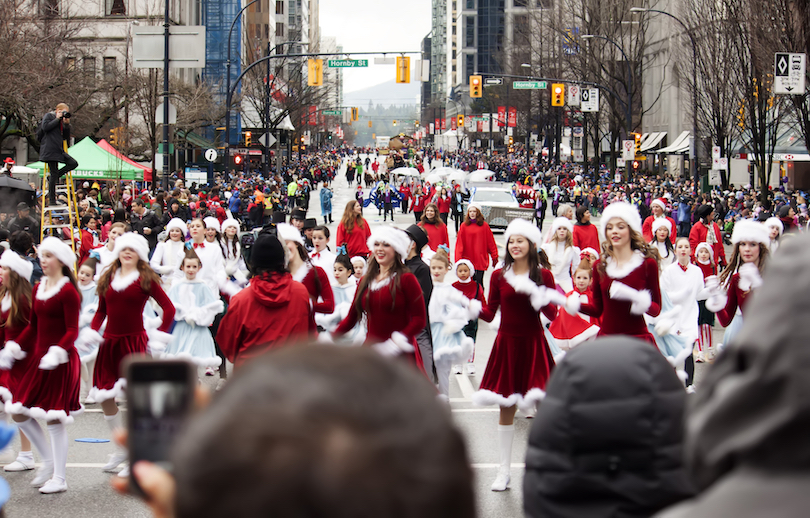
(145, 223)
(54, 132)
(24, 221)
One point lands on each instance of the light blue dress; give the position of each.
(344, 297)
(196, 308)
(89, 295)
(449, 313)
(672, 344)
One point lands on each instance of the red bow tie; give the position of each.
(316, 256)
(684, 268)
(198, 245)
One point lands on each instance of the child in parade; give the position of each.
(235, 267)
(321, 256)
(104, 255)
(170, 252)
(661, 229)
(358, 268)
(89, 293)
(561, 253)
(705, 261)
(344, 290)
(571, 330)
(473, 291)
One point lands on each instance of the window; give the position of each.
(70, 64)
(520, 28)
(49, 7)
(469, 65)
(469, 31)
(454, 29)
(109, 68)
(279, 30)
(520, 3)
(267, 31)
(115, 8)
(89, 68)
(279, 6)
(470, 4)
(545, 4)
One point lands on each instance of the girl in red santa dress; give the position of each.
(520, 362)
(314, 279)
(49, 389)
(625, 279)
(571, 330)
(390, 297)
(704, 259)
(741, 277)
(15, 309)
(123, 291)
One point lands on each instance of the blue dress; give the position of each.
(448, 310)
(344, 297)
(672, 344)
(196, 308)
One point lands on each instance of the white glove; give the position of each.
(190, 321)
(712, 284)
(230, 269)
(749, 277)
(394, 346)
(572, 304)
(88, 339)
(716, 302)
(11, 353)
(166, 269)
(55, 357)
(666, 322)
(475, 308)
(640, 300)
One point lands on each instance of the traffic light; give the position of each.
(395, 123)
(511, 140)
(355, 114)
(476, 86)
(636, 164)
(369, 124)
(558, 94)
(315, 75)
(237, 159)
(248, 136)
(637, 137)
(114, 137)
(460, 121)
(741, 116)
(403, 69)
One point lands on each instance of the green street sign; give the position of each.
(347, 63)
(529, 85)
(332, 112)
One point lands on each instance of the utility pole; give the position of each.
(166, 97)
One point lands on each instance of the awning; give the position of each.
(147, 171)
(680, 145)
(96, 163)
(653, 140)
(195, 139)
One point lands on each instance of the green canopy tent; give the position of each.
(96, 164)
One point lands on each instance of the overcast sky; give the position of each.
(375, 26)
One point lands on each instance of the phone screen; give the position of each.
(159, 398)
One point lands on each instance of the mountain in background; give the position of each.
(385, 94)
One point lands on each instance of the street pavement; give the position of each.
(90, 494)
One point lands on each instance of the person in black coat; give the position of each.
(607, 441)
(53, 133)
(145, 223)
(421, 271)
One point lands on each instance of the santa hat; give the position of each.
(589, 251)
(467, 263)
(398, 239)
(775, 222)
(361, 259)
(177, 223)
(750, 230)
(661, 202)
(475, 205)
(228, 223)
(521, 227)
(59, 250)
(288, 232)
(661, 222)
(211, 222)
(561, 223)
(625, 212)
(705, 246)
(134, 241)
(17, 264)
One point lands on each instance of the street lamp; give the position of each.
(629, 111)
(688, 31)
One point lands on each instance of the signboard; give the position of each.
(617, 178)
(444, 124)
(211, 154)
(267, 140)
(501, 116)
(715, 151)
(589, 100)
(512, 123)
(579, 156)
(186, 47)
(620, 162)
(720, 163)
(493, 81)
(579, 131)
(574, 95)
(628, 150)
(432, 128)
(529, 85)
(789, 74)
(714, 177)
(332, 112)
(347, 63)
(452, 123)
(313, 115)
(437, 126)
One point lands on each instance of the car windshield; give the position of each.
(482, 196)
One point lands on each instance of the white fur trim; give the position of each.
(46, 292)
(11, 353)
(230, 222)
(376, 285)
(122, 282)
(704, 246)
(468, 264)
(573, 303)
(624, 211)
(5, 395)
(104, 394)
(302, 272)
(45, 415)
(524, 402)
(475, 205)
(211, 361)
(396, 238)
(202, 316)
(88, 339)
(539, 296)
(770, 222)
(179, 224)
(455, 353)
(133, 241)
(52, 359)
(749, 277)
(614, 272)
(211, 222)
(15, 263)
(567, 345)
(640, 300)
(402, 342)
(660, 203)
(559, 223)
(5, 305)
(288, 232)
(475, 308)
(716, 303)
(522, 227)
(228, 287)
(661, 222)
(59, 249)
(749, 230)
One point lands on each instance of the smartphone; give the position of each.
(160, 396)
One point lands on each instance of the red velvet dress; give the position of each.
(736, 298)
(614, 315)
(10, 379)
(124, 335)
(327, 297)
(386, 314)
(571, 330)
(50, 394)
(521, 362)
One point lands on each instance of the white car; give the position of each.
(498, 205)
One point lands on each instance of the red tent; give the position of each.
(147, 171)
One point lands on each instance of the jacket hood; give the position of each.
(607, 439)
(752, 409)
(272, 289)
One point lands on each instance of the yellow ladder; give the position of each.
(54, 218)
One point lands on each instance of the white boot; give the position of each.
(59, 445)
(37, 438)
(505, 435)
(120, 455)
(24, 462)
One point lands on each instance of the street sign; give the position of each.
(529, 85)
(589, 100)
(715, 151)
(211, 154)
(574, 97)
(347, 63)
(263, 139)
(489, 81)
(714, 177)
(628, 150)
(187, 48)
(720, 163)
(789, 74)
(172, 114)
(331, 112)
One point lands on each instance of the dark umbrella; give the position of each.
(14, 191)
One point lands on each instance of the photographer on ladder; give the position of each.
(53, 133)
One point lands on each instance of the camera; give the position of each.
(66, 115)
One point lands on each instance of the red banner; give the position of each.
(444, 124)
(313, 116)
(512, 117)
(436, 127)
(452, 123)
(480, 126)
(501, 116)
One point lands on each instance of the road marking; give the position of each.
(459, 400)
(489, 466)
(469, 410)
(100, 465)
(466, 385)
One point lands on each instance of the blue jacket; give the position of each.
(326, 201)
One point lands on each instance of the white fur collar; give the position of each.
(302, 272)
(376, 285)
(518, 282)
(6, 304)
(347, 286)
(191, 281)
(45, 292)
(90, 286)
(469, 280)
(120, 283)
(614, 272)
